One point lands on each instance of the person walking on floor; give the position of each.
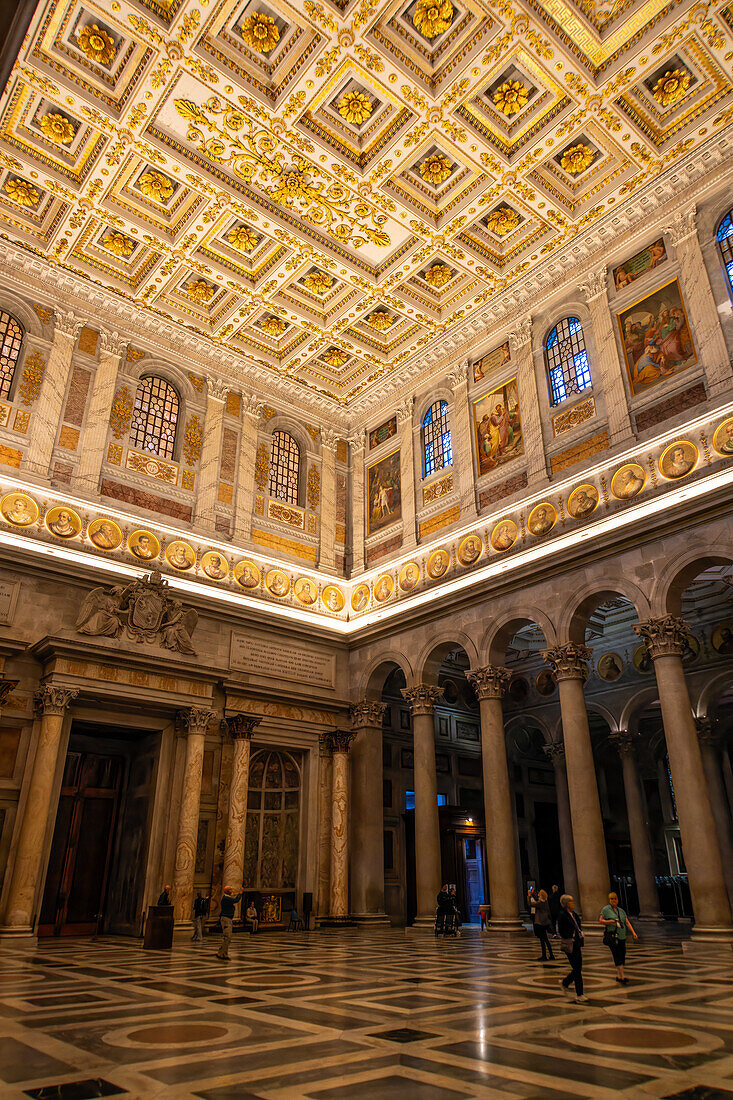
(228, 902)
(616, 926)
(444, 908)
(542, 920)
(200, 909)
(554, 902)
(571, 940)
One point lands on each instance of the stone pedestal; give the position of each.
(196, 722)
(241, 727)
(556, 752)
(208, 480)
(490, 683)
(340, 744)
(641, 851)
(367, 816)
(422, 700)
(96, 426)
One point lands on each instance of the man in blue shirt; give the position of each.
(228, 902)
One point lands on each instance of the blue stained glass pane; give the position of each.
(568, 368)
(725, 229)
(436, 441)
(725, 244)
(447, 449)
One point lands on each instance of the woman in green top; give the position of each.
(616, 922)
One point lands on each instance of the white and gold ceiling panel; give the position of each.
(329, 188)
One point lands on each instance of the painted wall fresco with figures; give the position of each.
(384, 493)
(498, 426)
(656, 337)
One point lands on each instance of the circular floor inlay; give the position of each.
(642, 1038)
(164, 1034)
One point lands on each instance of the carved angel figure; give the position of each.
(101, 613)
(177, 627)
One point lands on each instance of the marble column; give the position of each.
(325, 824)
(569, 668)
(251, 412)
(665, 639)
(710, 750)
(357, 443)
(556, 753)
(326, 556)
(241, 727)
(461, 442)
(367, 813)
(47, 409)
(21, 906)
(490, 683)
(96, 427)
(208, 480)
(520, 339)
(340, 745)
(701, 307)
(428, 865)
(639, 832)
(595, 292)
(196, 722)
(407, 474)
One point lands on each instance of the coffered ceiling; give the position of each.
(325, 189)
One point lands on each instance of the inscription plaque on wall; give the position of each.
(9, 592)
(282, 661)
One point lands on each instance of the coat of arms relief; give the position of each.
(144, 609)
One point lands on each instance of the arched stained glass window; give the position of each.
(273, 822)
(284, 468)
(155, 417)
(11, 337)
(725, 244)
(436, 444)
(568, 369)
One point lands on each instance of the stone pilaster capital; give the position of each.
(329, 439)
(196, 720)
(404, 411)
(216, 388)
(422, 698)
(341, 740)
(67, 323)
(683, 226)
(366, 713)
(113, 344)
(568, 662)
(665, 636)
(242, 726)
(6, 686)
(489, 682)
(458, 375)
(593, 284)
(324, 744)
(252, 406)
(357, 442)
(707, 734)
(555, 751)
(521, 333)
(53, 699)
(624, 742)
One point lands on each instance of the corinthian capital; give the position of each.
(665, 636)
(67, 323)
(357, 442)
(521, 334)
(459, 375)
(113, 343)
(682, 226)
(489, 682)
(707, 734)
(624, 742)
(53, 699)
(242, 726)
(404, 412)
(252, 405)
(341, 740)
(594, 284)
(555, 751)
(329, 439)
(568, 662)
(422, 698)
(366, 713)
(197, 719)
(216, 388)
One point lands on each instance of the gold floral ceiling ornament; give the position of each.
(154, 185)
(355, 107)
(258, 158)
(503, 220)
(273, 326)
(380, 320)
(318, 282)
(260, 32)
(118, 244)
(96, 44)
(57, 129)
(335, 357)
(577, 158)
(200, 291)
(438, 275)
(242, 238)
(433, 17)
(21, 191)
(671, 86)
(435, 169)
(511, 96)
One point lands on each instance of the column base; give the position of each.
(649, 918)
(422, 924)
(18, 932)
(504, 924)
(371, 918)
(709, 938)
(182, 925)
(337, 922)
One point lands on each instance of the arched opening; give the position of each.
(566, 360)
(284, 483)
(271, 850)
(437, 451)
(11, 339)
(155, 417)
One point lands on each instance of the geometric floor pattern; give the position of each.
(360, 1014)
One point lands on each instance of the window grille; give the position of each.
(155, 417)
(568, 369)
(725, 244)
(284, 468)
(11, 336)
(436, 441)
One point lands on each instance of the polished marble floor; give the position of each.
(355, 1014)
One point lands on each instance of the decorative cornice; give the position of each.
(53, 699)
(422, 698)
(242, 726)
(489, 682)
(366, 713)
(569, 662)
(665, 636)
(521, 334)
(196, 720)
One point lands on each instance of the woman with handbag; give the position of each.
(542, 922)
(616, 924)
(571, 940)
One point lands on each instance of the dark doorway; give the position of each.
(547, 835)
(474, 873)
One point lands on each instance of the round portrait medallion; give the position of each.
(722, 639)
(641, 660)
(306, 591)
(438, 563)
(610, 667)
(215, 565)
(277, 583)
(628, 481)
(383, 588)
(247, 574)
(409, 576)
(542, 519)
(518, 689)
(723, 438)
(333, 598)
(360, 597)
(144, 545)
(582, 501)
(105, 534)
(470, 550)
(504, 535)
(678, 460)
(180, 555)
(545, 683)
(19, 509)
(63, 522)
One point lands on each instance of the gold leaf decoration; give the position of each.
(577, 158)
(438, 275)
(242, 238)
(273, 326)
(671, 86)
(260, 32)
(57, 128)
(318, 282)
(118, 244)
(192, 440)
(154, 185)
(335, 357)
(355, 107)
(433, 17)
(503, 220)
(262, 467)
(380, 320)
(435, 169)
(96, 44)
(121, 413)
(313, 490)
(511, 96)
(200, 291)
(21, 191)
(33, 371)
